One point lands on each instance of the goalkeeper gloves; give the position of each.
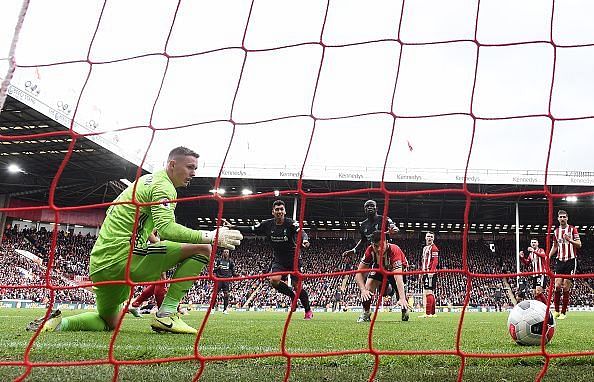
(228, 238)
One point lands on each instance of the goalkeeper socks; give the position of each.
(304, 298)
(565, 301)
(225, 301)
(159, 293)
(557, 299)
(88, 321)
(284, 289)
(147, 292)
(192, 266)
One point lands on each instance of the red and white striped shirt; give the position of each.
(537, 258)
(565, 249)
(430, 257)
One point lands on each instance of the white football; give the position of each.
(526, 320)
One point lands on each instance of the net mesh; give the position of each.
(303, 196)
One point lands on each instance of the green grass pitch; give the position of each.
(243, 333)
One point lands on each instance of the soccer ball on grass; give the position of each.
(526, 320)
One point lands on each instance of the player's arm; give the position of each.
(524, 258)
(392, 228)
(295, 230)
(353, 251)
(574, 238)
(168, 229)
(360, 280)
(433, 262)
(400, 286)
(553, 250)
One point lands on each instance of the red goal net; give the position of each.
(349, 94)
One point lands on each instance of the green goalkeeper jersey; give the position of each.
(115, 237)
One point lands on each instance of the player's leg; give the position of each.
(146, 293)
(394, 286)
(426, 301)
(538, 288)
(109, 299)
(148, 264)
(303, 297)
(225, 289)
(277, 282)
(159, 293)
(569, 268)
(191, 260)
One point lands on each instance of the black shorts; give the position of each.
(379, 277)
(568, 267)
(281, 267)
(429, 283)
(538, 280)
(223, 286)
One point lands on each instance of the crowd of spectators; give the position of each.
(253, 257)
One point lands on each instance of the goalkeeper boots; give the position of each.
(52, 324)
(171, 324)
(308, 315)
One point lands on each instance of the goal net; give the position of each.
(453, 92)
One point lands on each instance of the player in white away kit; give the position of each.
(536, 257)
(430, 260)
(566, 242)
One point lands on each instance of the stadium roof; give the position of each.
(93, 175)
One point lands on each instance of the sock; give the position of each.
(542, 298)
(144, 295)
(565, 301)
(430, 308)
(159, 293)
(88, 321)
(304, 298)
(192, 266)
(557, 298)
(225, 301)
(285, 289)
(367, 305)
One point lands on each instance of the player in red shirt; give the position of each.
(393, 260)
(536, 257)
(429, 264)
(566, 242)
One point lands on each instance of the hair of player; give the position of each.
(181, 151)
(376, 237)
(562, 212)
(370, 201)
(278, 202)
(431, 233)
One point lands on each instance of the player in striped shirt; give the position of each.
(393, 260)
(566, 242)
(430, 260)
(536, 257)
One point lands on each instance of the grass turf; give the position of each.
(247, 333)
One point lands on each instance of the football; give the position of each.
(526, 320)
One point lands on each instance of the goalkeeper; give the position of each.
(185, 248)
